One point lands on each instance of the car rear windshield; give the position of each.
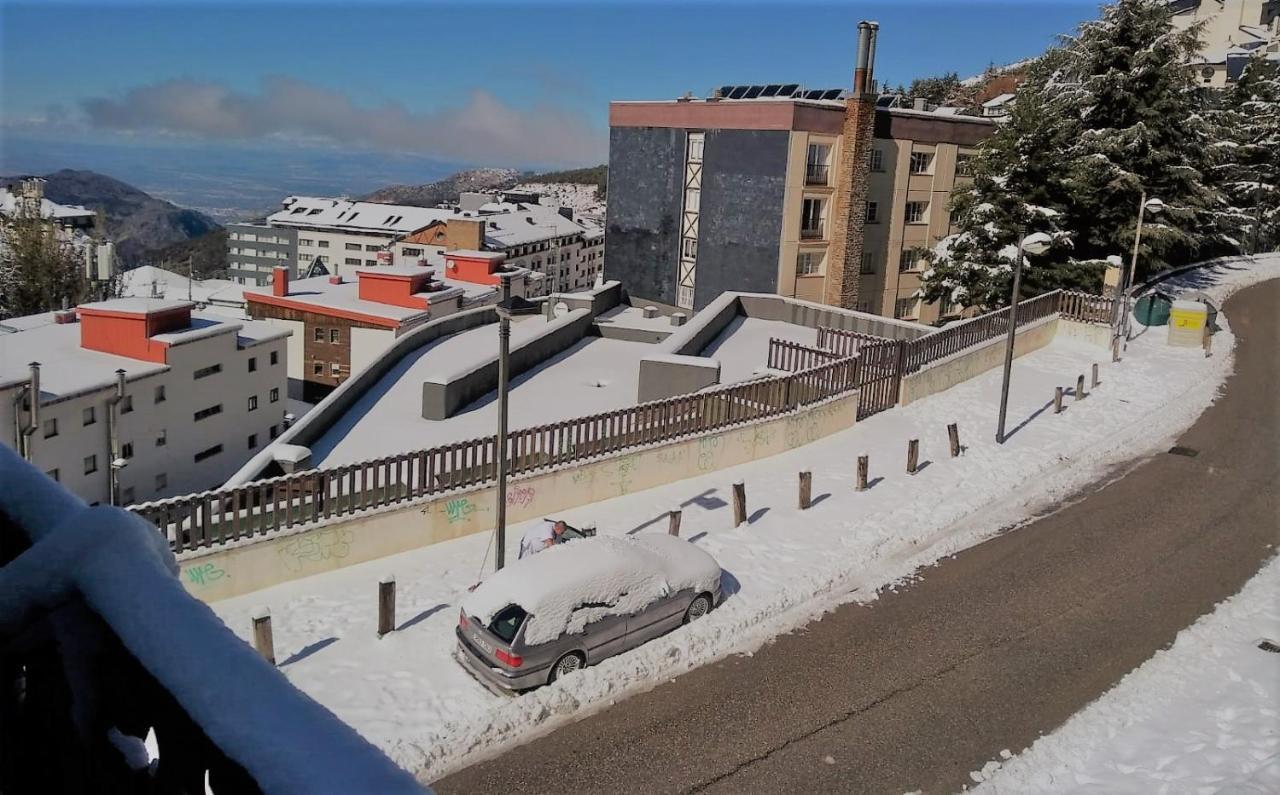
(507, 622)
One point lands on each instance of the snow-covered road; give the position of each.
(784, 568)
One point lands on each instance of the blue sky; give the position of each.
(525, 84)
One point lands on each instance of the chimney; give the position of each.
(464, 234)
(871, 57)
(280, 281)
(918, 103)
(864, 57)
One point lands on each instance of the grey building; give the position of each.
(252, 251)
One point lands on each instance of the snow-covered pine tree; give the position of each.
(1249, 172)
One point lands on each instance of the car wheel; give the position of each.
(699, 607)
(565, 665)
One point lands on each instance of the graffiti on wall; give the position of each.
(315, 547)
(204, 574)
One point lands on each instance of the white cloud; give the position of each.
(483, 130)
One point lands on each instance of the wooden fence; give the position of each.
(1086, 308)
(793, 356)
(975, 331)
(845, 342)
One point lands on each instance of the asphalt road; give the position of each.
(986, 652)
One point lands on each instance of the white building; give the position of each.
(140, 398)
(1231, 32)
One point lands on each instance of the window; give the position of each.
(920, 162)
(90, 464)
(302, 241)
(126, 404)
(162, 481)
(335, 335)
(126, 450)
(160, 394)
(904, 307)
(877, 160)
(964, 165)
(946, 307)
(335, 369)
(253, 403)
(54, 475)
(50, 428)
(809, 263)
(319, 334)
(206, 413)
(352, 261)
(868, 264)
(253, 363)
(816, 164)
(275, 357)
(692, 200)
(162, 438)
(322, 243)
(696, 143)
(317, 368)
(275, 394)
(207, 453)
(253, 441)
(811, 212)
(205, 372)
(864, 306)
(917, 212)
(507, 622)
(306, 257)
(372, 248)
(88, 416)
(689, 248)
(411, 252)
(353, 247)
(274, 431)
(126, 496)
(912, 259)
(873, 212)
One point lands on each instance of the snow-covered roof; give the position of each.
(617, 575)
(508, 224)
(149, 281)
(997, 101)
(48, 209)
(140, 306)
(319, 292)
(355, 216)
(65, 368)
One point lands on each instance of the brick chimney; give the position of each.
(280, 281)
(847, 234)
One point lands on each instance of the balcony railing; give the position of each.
(813, 232)
(816, 174)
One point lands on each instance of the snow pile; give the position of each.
(781, 570)
(1200, 716)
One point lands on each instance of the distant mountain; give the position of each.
(595, 175)
(207, 255)
(447, 189)
(136, 221)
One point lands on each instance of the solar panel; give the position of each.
(771, 90)
(738, 92)
(789, 90)
(833, 93)
(753, 92)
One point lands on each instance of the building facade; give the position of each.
(745, 194)
(71, 225)
(140, 399)
(254, 251)
(1231, 32)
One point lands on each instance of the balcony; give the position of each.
(813, 232)
(817, 174)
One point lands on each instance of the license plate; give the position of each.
(484, 645)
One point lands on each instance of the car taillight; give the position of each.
(462, 619)
(514, 660)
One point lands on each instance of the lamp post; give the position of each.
(1035, 243)
(1145, 206)
(508, 307)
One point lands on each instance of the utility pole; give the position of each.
(191, 274)
(1032, 244)
(1257, 217)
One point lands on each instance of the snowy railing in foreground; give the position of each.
(267, 506)
(975, 331)
(100, 645)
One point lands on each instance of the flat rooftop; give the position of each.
(317, 291)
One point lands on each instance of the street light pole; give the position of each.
(504, 351)
(1121, 326)
(1037, 243)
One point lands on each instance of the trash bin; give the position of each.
(1153, 309)
(1186, 324)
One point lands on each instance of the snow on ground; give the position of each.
(742, 348)
(594, 375)
(581, 198)
(782, 570)
(1201, 716)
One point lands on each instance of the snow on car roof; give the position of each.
(612, 574)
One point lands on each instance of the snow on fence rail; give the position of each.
(267, 506)
(1086, 308)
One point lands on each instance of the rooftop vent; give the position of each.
(64, 316)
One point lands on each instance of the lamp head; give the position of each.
(1036, 243)
(1154, 205)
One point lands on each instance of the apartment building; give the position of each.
(253, 252)
(341, 323)
(1231, 32)
(135, 399)
(70, 224)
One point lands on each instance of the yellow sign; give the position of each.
(1189, 319)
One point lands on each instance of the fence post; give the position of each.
(806, 490)
(913, 455)
(739, 503)
(1115, 349)
(673, 522)
(953, 433)
(1096, 381)
(1208, 341)
(862, 472)
(1080, 393)
(386, 604)
(1057, 400)
(262, 640)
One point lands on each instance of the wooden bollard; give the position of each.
(1095, 380)
(1115, 349)
(953, 433)
(739, 503)
(863, 461)
(1057, 400)
(262, 640)
(806, 490)
(1208, 341)
(386, 605)
(913, 455)
(673, 522)
(1080, 393)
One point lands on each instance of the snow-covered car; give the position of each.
(578, 603)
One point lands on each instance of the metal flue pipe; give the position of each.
(864, 54)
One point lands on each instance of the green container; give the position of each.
(1153, 309)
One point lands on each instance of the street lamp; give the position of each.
(508, 307)
(1145, 205)
(1035, 243)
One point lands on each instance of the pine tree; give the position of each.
(38, 272)
(1249, 173)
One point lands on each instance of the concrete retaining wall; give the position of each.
(1091, 333)
(443, 396)
(946, 373)
(242, 568)
(806, 313)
